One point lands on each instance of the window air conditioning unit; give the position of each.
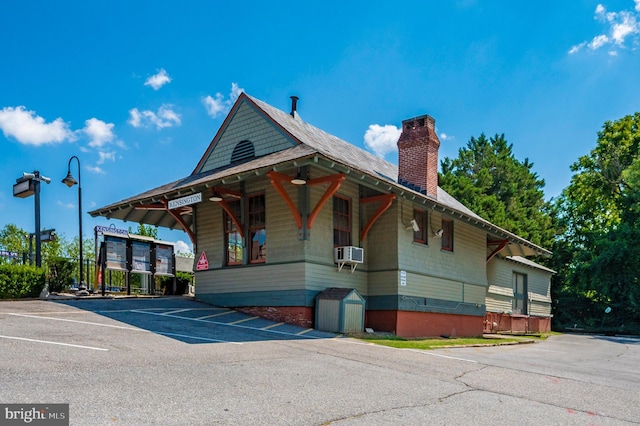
(348, 255)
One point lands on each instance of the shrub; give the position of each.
(61, 274)
(17, 281)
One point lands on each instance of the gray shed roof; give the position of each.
(313, 145)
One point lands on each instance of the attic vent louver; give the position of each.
(243, 151)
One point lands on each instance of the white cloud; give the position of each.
(445, 137)
(99, 132)
(95, 169)
(577, 47)
(30, 129)
(104, 156)
(218, 105)
(182, 247)
(619, 26)
(625, 26)
(164, 117)
(598, 41)
(382, 139)
(158, 80)
(66, 205)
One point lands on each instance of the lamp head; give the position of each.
(298, 181)
(69, 180)
(215, 197)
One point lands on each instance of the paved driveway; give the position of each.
(174, 361)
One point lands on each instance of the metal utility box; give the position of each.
(340, 310)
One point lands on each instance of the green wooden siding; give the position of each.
(500, 275)
(247, 124)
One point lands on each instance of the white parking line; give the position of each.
(184, 336)
(53, 343)
(77, 322)
(126, 328)
(216, 315)
(443, 356)
(176, 311)
(243, 320)
(232, 325)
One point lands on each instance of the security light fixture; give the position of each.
(414, 226)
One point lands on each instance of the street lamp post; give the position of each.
(28, 185)
(70, 181)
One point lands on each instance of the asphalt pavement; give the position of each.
(175, 361)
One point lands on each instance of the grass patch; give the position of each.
(402, 343)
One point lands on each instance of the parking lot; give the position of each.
(174, 361)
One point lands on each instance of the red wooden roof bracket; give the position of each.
(176, 214)
(500, 243)
(386, 199)
(276, 180)
(335, 180)
(217, 190)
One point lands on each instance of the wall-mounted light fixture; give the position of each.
(215, 197)
(299, 179)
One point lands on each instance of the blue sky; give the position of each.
(137, 89)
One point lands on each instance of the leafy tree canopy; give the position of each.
(146, 231)
(600, 210)
(488, 179)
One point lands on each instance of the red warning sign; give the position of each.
(203, 263)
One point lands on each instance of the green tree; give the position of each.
(146, 231)
(600, 212)
(13, 238)
(487, 178)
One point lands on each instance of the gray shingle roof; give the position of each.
(312, 142)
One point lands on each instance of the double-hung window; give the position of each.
(420, 236)
(341, 221)
(232, 236)
(447, 234)
(257, 230)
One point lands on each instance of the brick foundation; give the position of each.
(424, 324)
(505, 323)
(295, 315)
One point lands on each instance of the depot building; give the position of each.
(281, 214)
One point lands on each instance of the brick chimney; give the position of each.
(418, 155)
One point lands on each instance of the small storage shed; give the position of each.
(340, 310)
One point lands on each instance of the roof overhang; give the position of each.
(140, 208)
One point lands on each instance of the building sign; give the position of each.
(185, 201)
(9, 254)
(116, 253)
(164, 259)
(403, 278)
(23, 188)
(140, 257)
(112, 229)
(203, 263)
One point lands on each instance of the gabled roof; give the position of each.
(314, 146)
